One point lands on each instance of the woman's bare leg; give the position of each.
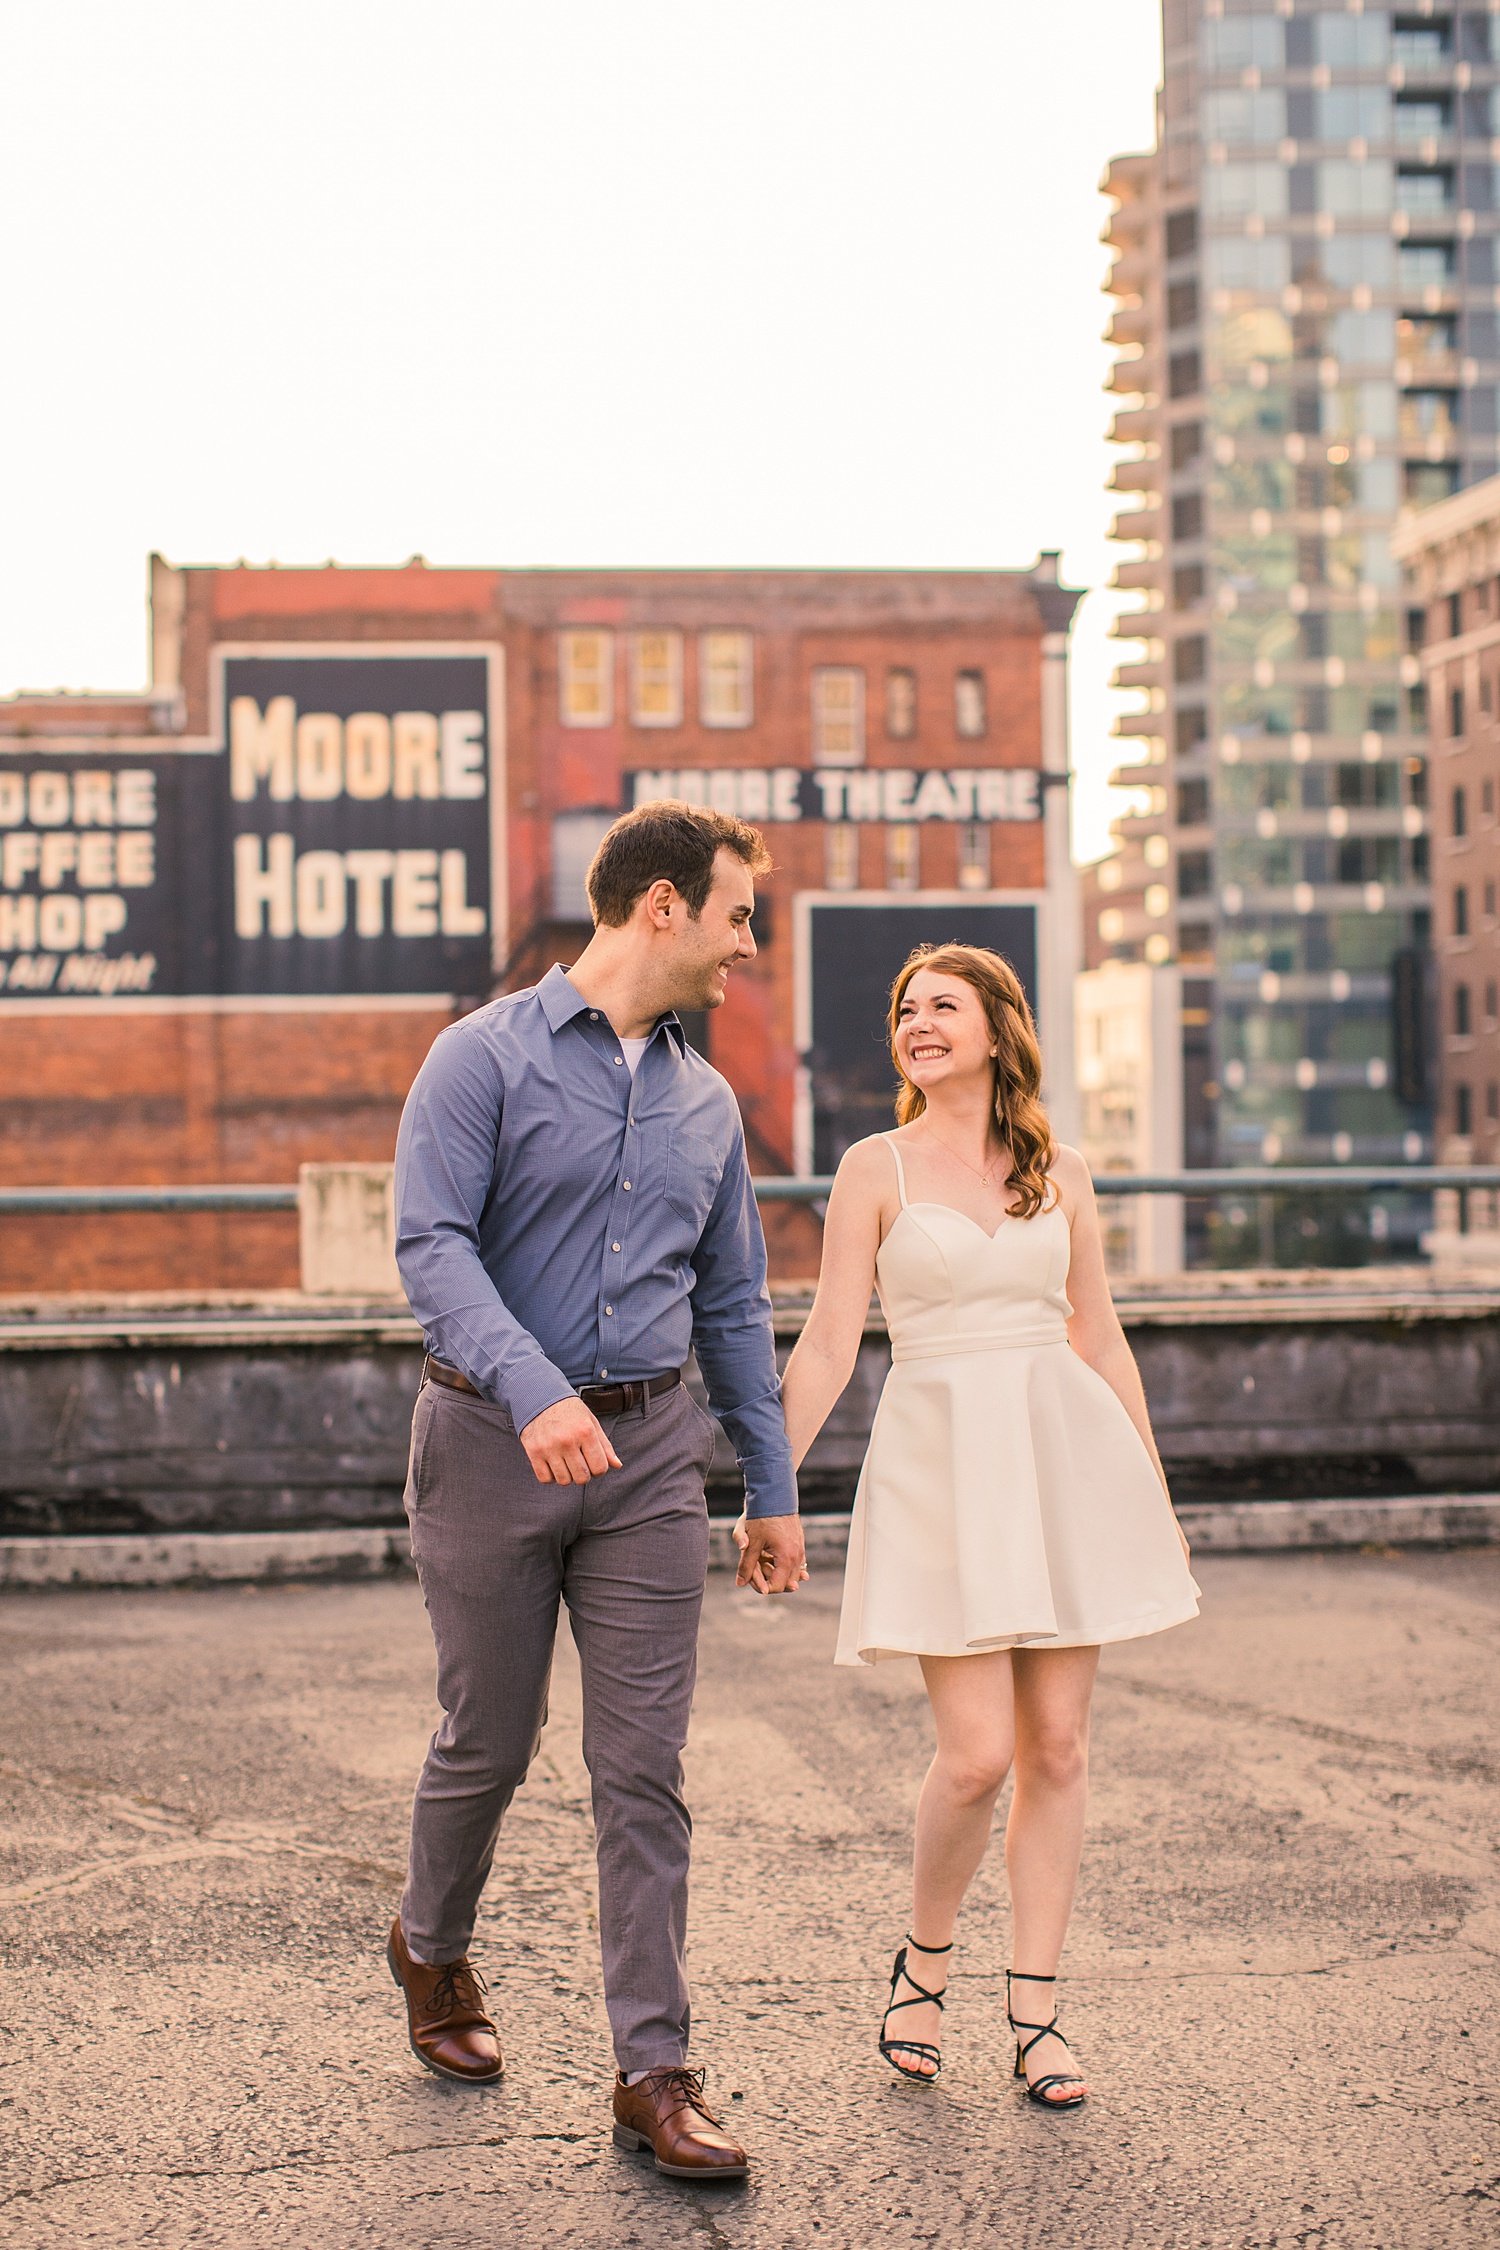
(1044, 1834)
(972, 1710)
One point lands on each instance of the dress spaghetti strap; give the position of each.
(890, 1142)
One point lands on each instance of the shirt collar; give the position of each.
(561, 1001)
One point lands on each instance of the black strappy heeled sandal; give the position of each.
(891, 2047)
(1038, 2093)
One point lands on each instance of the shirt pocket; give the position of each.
(695, 1166)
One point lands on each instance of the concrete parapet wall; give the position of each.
(289, 1414)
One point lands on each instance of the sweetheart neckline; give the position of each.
(926, 1203)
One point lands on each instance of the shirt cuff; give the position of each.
(770, 1488)
(534, 1386)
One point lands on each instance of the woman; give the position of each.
(1012, 1514)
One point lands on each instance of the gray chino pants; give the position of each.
(627, 1552)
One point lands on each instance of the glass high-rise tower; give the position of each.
(1305, 315)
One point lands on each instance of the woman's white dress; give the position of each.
(1006, 1499)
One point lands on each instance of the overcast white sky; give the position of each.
(622, 281)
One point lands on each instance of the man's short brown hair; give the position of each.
(668, 840)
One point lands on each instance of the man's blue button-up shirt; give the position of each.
(558, 1223)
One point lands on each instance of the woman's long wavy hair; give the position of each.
(1018, 1062)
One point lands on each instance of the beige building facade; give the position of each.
(1451, 553)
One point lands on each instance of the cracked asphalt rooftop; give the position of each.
(1281, 1976)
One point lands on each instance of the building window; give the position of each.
(903, 856)
(1455, 615)
(1184, 374)
(841, 856)
(1187, 444)
(1487, 799)
(1189, 659)
(1423, 117)
(1424, 43)
(1455, 710)
(1190, 730)
(1187, 516)
(1460, 910)
(726, 679)
(1489, 901)
(1462, 1017)
(576, 836)
(1492, 1103)
(1424, 190)
(1491, 1002)
(838, 715)
(656, 679)
(1463, 1110)
(1425, 265)
(1182, 304)
(1460, 813)
(968, 705)
(1188, 586)
(974, 856)
(1182, 233)
(901, 703)
(586, 681)
(1426, 481)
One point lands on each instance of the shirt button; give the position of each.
(593, 1015)
(605, 1371)
(614, 1246)
(620, 1059)
(625, 1184)
(609, 1312)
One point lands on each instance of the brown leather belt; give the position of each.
(599, 1398)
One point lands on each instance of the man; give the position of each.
(573, 1208)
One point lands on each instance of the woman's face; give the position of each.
(942, 1032)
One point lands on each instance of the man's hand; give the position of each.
(773, 1555)
(565, 1445)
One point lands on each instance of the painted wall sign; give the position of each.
(337, 841)
(864, 793)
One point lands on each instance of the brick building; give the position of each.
(1452, 556)
(235, 910)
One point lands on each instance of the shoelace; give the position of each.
(446, 1994)
(688, 2086)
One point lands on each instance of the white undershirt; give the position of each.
(633, 1049)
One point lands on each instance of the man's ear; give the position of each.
(660, 898)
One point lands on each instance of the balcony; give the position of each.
(1136, 425)
(1135, 625)
(1133, 377)
(1144, 474)
(1138, 523)
(1139, 571)
(1131, 271)
(1130, 323)
(1149, 673)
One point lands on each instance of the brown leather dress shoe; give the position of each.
(665, 2112)
(445, 2019)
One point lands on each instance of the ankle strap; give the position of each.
(948, 1948)
(1023, 1976)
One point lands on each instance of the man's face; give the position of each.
(709, 948)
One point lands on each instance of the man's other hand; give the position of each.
(565, 1445)
(773, 1554)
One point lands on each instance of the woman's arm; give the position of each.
(1094, 1330)
(823, 1360)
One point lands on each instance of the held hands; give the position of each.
(565, 1445)
(773, 1553)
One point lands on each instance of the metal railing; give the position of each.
(1343, 1179)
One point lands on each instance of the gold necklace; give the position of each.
(983, 1176)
